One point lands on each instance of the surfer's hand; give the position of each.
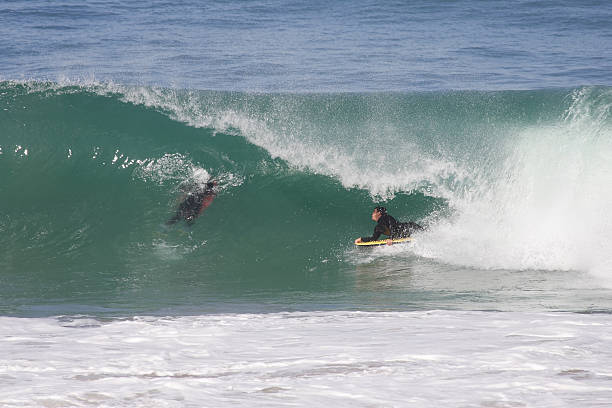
(389, 242)
(358, 240)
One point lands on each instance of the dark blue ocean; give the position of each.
(338, 46)
(488, 122)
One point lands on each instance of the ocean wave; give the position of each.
(504, 180)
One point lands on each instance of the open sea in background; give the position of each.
(488, 122)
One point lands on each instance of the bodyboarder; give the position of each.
(387, 225)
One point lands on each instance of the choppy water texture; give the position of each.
(311, 46)
(488, 122)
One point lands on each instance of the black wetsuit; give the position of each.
(387, 225)
(191, 207)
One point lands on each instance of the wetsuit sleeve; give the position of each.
(378, 230)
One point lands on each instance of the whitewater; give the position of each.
(351, 359)
(490, 124)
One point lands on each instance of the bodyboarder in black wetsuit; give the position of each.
(194, 203)
(387, 225)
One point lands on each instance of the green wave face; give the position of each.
(90, 173)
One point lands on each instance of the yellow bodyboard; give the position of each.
(384, 242)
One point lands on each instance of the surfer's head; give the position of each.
(381, 210)
(378, 212)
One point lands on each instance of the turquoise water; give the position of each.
(94, 171)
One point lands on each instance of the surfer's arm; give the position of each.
(378, 230)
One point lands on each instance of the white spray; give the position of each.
(549, 205)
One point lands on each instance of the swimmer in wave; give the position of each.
(194, 203)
